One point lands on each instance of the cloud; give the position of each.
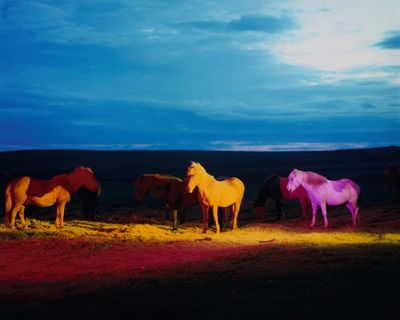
(295, 146)
(391, 42)
(254, 23)
(88, 146)
(44, 22)
(368, 106)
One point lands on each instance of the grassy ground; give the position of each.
(128, 263)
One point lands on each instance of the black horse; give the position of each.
(5, 178)
(392, 177)
(87, 197)
(275, 187)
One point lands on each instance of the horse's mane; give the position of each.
(314, 179)
(202, 169)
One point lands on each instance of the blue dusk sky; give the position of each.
(198, 74)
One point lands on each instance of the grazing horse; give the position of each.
(276, 188)
(322, 191)
(392, 175)
(45, 193)
(213, 193)
(171, 190)
(87, 197)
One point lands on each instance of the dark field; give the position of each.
(129, 263)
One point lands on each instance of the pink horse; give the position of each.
(322, 191)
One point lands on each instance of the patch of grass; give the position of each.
(251, 234)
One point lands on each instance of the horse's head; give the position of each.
(142, 187)
(192, 176)
(294, 180)
(84, 177)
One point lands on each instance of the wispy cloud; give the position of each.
(392, 41)
(54, 24)
(255, 23)
(88, 146)
(295, 146)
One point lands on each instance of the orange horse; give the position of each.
(213, 193)
(45, 193)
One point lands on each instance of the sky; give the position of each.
(199, 75)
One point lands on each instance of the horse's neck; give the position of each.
(262, 196)
(205, 181)
(67, 182)
(312, 181)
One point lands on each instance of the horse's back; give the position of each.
(38, 188)
(233, 183)
(349, 183)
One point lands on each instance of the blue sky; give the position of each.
(207, 75)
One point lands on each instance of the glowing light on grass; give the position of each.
(252, 235)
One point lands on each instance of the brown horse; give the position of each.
(214, 193)
(45, 193)
(170, 189)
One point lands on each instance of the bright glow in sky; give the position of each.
(232, 75)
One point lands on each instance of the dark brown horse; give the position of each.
(392, 177)
(275, 187)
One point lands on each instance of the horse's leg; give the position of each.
(353, 210)
(174, 219)
(235, 212)
(60, 214)
(314, 213)
(222, 216)
(215, 216)
(324, 213)
(204, 210)
(303, 204)
(280, 214)
(22, 217)
(13, 215)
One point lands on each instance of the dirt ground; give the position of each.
(129, 263)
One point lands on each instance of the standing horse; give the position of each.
(276, 188)
(392, 177)
(87, 197)
(171, 190)
(45, 193)
(322, 191)
(213, 193)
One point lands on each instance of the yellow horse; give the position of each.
(213, 193)
(45, 193)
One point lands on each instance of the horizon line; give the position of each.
(193, 150)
